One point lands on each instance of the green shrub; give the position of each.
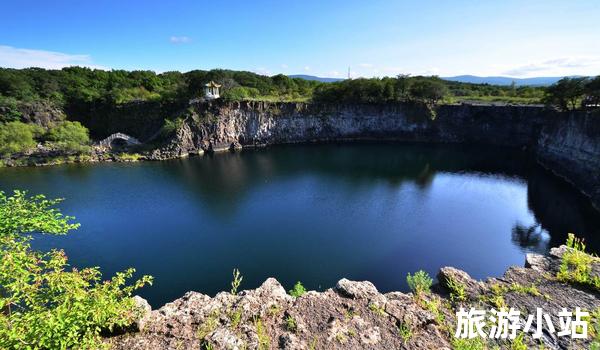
(70, 136)
(458, 291)
(420, 283)
(17, 137)
(46, 304)
(298, 290)
(576, 264)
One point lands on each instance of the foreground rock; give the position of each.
(355, 315)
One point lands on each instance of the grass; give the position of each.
(489, 99)
(274, 310)
(237, 280)
(405, 331)
(264, 341)
(576, 265)
(434, 306)
(208, 326)
(378, 310)
(420, 283)
(298, 290)
(468, 344)
(291, 324)
(128, 157)
(236, 318)
(518, 343)
(458, 292)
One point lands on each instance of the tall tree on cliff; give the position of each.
(566, 93)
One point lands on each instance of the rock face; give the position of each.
(571, 148)
(566, 143)
(355, 315)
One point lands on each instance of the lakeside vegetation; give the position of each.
(72, 92)
(44, 302)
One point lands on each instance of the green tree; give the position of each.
(70, 136)
(566, 93)
(430, 90)
(44, 303)
(592, 92)
(16, 137)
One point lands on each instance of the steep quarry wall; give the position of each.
(566, 143)
(570, 146)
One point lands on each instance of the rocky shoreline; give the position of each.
(566, 143)
(354, 315)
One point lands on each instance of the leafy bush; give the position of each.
(70, 136)
(298, 290)
(576, 264)
(44, 303)
(240, 93)
(420, 283)
(17, 137)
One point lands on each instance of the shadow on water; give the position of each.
(314, 213)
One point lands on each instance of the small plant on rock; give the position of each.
(405, 331)
(291, 324)
(419, 283)
(458, 291)
(237, 280)
(298, 290)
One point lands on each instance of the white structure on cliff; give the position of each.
(211, 90)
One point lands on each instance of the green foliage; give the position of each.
(458, 291)
(405, 331)
(429, 90)
(70, 136)
(378, 310)
(419, 283)
(298, 290)
(518, 343)
(9, 111)
(45, 304)
(264, 341)
(566, 93)
(240, 93)
(576, 264)
(16, 137)
(237, 280)
(171, 126)
(291, 324)
(468, 344)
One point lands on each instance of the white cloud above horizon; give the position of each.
(12, 57)
(562, 66)
(180, 39)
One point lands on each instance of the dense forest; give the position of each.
(76, 92)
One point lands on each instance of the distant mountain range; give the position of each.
(538, 81)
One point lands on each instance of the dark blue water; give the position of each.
(310, 213)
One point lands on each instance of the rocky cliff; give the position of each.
(354, 315)
(566, 143)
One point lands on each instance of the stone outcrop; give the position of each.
(566, 143)
(355, 315)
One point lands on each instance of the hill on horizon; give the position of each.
(473, 79)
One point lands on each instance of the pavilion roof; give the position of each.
(212, 84)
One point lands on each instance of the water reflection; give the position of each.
(313, 213)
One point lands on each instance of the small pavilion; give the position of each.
(211, 90)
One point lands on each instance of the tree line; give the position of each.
(574, 93)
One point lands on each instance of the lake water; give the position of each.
(312, 213)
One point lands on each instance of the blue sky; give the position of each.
(318, 37)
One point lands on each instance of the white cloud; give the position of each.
(365, 65)
(262, 71)
(179, 39)
(284, 66)
(12, 57)
(306, 68)
(557, 67)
